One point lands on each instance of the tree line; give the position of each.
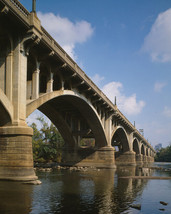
(164, 154)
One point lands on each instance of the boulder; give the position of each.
(136, 206)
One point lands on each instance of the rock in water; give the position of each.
(136, 206)
(164, 203)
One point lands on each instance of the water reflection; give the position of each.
(91, 192)
(94, 191)
(15, 198)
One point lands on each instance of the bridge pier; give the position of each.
(16, 156)
(139, 159)
(126, 158)
(151, 159)
(96, 157)
(145, 159)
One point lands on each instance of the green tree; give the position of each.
(164, 154)
(47, 142)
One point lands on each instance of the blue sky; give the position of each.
(125, 47)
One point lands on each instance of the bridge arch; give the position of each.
(120, 140)
(142, 149)
(136, 148)
(147, 152)
(56, 104)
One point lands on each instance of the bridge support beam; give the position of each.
(16, 156)
(100, 157)
(126, 158)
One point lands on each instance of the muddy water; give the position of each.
(91, 192)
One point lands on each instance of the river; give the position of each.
(89, 192)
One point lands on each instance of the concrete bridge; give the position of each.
(36, 73)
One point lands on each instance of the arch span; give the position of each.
(124, 155)
(57, 104)
(120, 140)
(136, 146)
(142, 150)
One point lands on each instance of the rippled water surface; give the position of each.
(90, 192)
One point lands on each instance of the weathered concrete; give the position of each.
(139, 159)
(97, 157)
(126, 158)
(16, 157)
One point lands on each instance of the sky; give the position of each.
(125, 48)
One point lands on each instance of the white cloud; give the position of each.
(97, 79)
(129, 105)
(159, 86)
(167, 111)
(65, 32)
(158, 42)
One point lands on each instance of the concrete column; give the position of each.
(19, 86)
(130, 139)
(78, 137)
(9, 61)
(2, 74)
(16, 156)
(50, 83)
(108, 129)
(62, 85)
(35, 84)
(29, 89)
(103, 119)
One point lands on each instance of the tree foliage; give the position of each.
(47, 142)
(164, 154)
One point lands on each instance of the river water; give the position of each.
(89, 192)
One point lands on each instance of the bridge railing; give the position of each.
(74, 65)
(60, 51)
(20, 7)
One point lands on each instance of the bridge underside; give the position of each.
(76, 121)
